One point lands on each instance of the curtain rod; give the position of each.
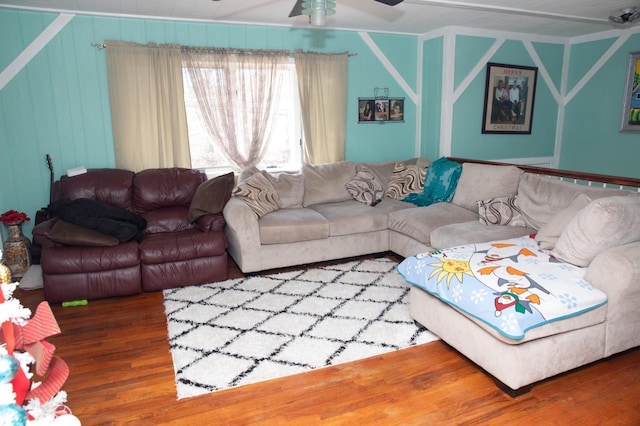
(101, 45)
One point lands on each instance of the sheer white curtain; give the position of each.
(147, 105)
(238, 93)
(322, 83)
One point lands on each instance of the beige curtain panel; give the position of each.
(147, 105)
(322, 83)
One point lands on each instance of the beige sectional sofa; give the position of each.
(319, 214)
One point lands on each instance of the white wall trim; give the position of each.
(529, 161)
(446, 102)
(34, 48)
(389, 66)
(557, 147)
(419, 97)
(596, 67)
(543, 71)
(479, 67)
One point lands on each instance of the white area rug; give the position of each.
(256, 328)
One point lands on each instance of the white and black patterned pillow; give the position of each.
(406, 179)
(500, 211)
(364, 187)
(258, 192)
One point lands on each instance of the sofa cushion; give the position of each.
(548, 235)
(541, 197)
(292, 225)
(259, 194)
(458, 234)
(351, 217)
(365, 187)
(383, 171)
(604, 223)
(326, 183)
(419, 223)
(483, 181)
(290, 188)
(389, 205)
(63, 232)
(406, 179)
(211, 196)
(500, 211)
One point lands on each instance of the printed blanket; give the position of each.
(510, 285)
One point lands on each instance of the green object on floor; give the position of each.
(74, 303)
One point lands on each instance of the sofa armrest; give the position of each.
(616, 272)
(211, 222)
(242, 220)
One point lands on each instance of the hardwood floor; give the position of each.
(122, 373)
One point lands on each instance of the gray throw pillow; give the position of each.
(604, 223)
(548, 235)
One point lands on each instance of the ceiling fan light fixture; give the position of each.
(318, 10)
(628, 14)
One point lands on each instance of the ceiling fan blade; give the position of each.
(297, 9)
(390, 2)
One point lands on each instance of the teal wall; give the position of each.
(431, 97)
(591, 140)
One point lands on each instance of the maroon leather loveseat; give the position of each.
(172, 252)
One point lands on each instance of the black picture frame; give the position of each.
(509, 99)
(630, 117)
(380, 110)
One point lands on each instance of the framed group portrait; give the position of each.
(372, 110)
(509, 98)
(630, 121)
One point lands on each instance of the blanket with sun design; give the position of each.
(510, 285)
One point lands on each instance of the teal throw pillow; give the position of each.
(439, 184)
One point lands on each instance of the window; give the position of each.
(284, 150)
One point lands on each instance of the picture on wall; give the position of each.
(372, 110)
(631, 104)
(508, 99)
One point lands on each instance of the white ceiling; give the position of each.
(566, 18)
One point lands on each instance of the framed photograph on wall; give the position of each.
(630, 121)
(508, 99)
(380, 110)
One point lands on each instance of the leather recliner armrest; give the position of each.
(211, 222)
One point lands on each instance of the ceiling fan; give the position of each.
(629, 14)
(319, 9)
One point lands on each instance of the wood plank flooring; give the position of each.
(122, 373)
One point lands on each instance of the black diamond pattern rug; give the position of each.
(246, 330)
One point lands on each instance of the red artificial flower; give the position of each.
(12, 216)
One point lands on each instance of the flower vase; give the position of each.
(17, 255)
